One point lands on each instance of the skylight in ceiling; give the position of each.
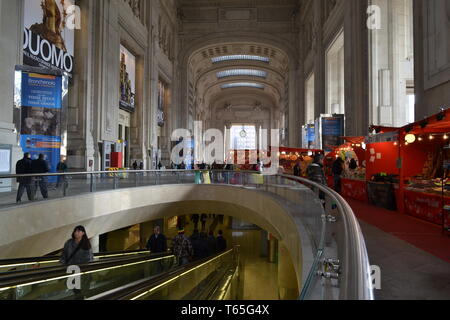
(240, 57)
(242, 72)
(243, 85)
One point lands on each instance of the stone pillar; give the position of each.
(319, 62)
(11, 28)
(287, 280)
(356, 62)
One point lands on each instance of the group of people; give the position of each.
(137, 166)
(315, 171)
(198, 246)
(78, 249)
(185, 248)
(36, 166)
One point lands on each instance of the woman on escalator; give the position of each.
(78, 251)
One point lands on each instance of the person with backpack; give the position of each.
(182, 248)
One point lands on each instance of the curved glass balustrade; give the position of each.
(339, 268)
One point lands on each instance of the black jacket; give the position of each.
(337, 168)
(24, 167)
(157, 245)
(39, 166)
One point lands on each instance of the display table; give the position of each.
(382, 195)
(354, 189)
(426, 206)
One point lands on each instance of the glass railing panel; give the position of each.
(92, 282)
(185, 284)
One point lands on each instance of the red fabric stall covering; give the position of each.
(354, 189)
(425, 206)
(330, 181)
(381, 157)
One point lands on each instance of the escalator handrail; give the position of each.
(61, 271)
(26, 261)
(139, 287)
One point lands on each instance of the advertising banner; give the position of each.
(332, 132)
(127, 80)
(49, 34)
(41, 117)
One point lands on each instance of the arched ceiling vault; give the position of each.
(208, 86)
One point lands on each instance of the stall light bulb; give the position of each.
(445, 136)
(420, 138)
(395, 143)
(431, 137)
(406, 143)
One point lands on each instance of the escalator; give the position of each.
(140, 276)
(23, 264)
(55, 283)
(215, 278)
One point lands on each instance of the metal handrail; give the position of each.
(358, 286)
(31, 175)
(356, 270)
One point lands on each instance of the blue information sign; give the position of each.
(41, 117)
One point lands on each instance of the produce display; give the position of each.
(432, 186)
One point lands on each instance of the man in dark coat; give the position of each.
(221, 242)
(157, 242)
(338, 169)
(41, 166)
(24, 167)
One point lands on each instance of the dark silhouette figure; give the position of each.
(24, 167)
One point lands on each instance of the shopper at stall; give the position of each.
(353, 165)
(338, 169)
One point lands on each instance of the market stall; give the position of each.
(424, 178)
(353, 182)
(289, 157)
(382, 172)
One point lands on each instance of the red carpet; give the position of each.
(421, 234)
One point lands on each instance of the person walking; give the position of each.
(78, 251)
(338, 169)
(182, 248)
(157, 242)
(24, 167)
(40, 166)
(315, 172)
(221, 242)
(297, 170)
(61, 168)
(135, 165)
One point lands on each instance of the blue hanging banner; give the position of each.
(41, 117)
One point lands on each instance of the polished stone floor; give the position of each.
(407, 273)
